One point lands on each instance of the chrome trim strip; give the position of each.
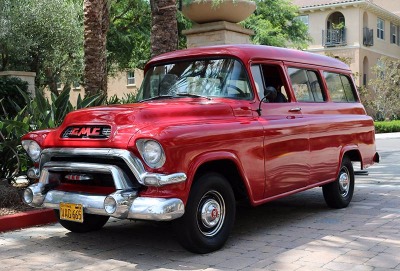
(161, 179)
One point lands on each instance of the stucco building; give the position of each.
(360, 30)
(119, 84)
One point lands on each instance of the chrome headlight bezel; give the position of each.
(152, 152)
(33, 149)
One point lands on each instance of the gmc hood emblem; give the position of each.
(91, 131)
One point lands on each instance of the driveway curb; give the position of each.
(387, 135)
(27, 219)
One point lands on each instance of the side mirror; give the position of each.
(270, 94)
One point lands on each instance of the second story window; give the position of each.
(304, 19)
(394, 34)
(130, 78)
(76, 85)
(380, 31)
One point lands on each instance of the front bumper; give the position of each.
(128, 205)
(132, 207)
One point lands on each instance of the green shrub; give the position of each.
(387, 126)
(37, 113)
(10, 95)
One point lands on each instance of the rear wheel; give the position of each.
(209, 215)
(90, 223)
(339, 193)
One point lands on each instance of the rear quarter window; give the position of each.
(306, 85)
(339, 87)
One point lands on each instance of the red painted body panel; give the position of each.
(277, 153)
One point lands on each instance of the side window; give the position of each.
(258, 80)
(306, 86)
(348, 90)
(273, 75)
(339, 87)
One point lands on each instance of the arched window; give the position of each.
(335, 30)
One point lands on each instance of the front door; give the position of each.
(286, 135)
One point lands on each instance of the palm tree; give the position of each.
(96, 23)
(164, 27)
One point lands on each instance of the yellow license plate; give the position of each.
(71, 212)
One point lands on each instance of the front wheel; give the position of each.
(339, 193)
(90, 223)
(209, 215)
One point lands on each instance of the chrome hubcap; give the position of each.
(344, 182)
(211, 213)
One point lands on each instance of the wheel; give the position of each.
(90, 223)
(209, 215)
(339, 193)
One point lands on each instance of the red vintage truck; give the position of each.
(212, 126)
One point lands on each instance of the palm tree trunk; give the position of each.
(96, 23)
(164, 27)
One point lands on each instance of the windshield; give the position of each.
(205, 78)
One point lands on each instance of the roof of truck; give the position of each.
(249, 52)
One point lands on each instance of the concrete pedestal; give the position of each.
(217, 33)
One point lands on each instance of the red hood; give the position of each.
(127, 120)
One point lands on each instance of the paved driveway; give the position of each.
(296, 233)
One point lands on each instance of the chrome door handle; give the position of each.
(295, 109)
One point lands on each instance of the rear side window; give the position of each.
(339, 87)
(306, 86)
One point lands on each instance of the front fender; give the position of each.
(209, 158)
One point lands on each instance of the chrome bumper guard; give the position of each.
(125, 203)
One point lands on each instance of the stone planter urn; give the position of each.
(207, 11)
(216, 23)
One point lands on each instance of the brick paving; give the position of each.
(296, 233)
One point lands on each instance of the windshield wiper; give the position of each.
(158, 98)
(192, 95)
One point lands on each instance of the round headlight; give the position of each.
(32, 148)
(152, 152)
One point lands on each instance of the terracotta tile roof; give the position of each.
(315, 3)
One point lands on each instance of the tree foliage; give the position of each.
(275, 24)
(42, 36)
(383, 92)
(128, 40)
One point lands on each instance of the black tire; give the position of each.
(209, 215)
(339, 193)
(90, 223)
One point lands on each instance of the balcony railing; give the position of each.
(368, 36)
(334, 37)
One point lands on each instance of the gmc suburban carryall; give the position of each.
(211, 126)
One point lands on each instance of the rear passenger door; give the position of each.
(286, 146)
(307, 86)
